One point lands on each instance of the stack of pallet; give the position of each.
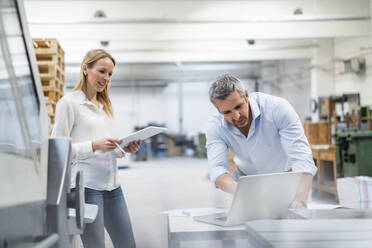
(318, 133)
(51, 63)
(324, 155)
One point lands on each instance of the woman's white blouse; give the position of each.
(84, 122)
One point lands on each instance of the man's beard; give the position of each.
(243, 121)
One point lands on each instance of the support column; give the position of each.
(180, 107)
(322, 76)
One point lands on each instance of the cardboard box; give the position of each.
(172, 149)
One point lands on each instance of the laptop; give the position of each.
(263, 196)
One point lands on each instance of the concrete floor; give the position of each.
(158, 185)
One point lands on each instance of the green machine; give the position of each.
(201, 150)
(354, 153)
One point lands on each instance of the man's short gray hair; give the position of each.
(224, 86)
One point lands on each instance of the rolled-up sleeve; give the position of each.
(63, 125)
(217, 153)
(293, 139)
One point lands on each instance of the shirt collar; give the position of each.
(254, 107)
(82, 99)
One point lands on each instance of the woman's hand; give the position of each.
(105, 144)
(133, 146)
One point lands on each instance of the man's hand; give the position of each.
(298, 205)
(226, 183)
(133, 146)
(302, 192)
(105, 144)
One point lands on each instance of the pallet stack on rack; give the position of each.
(321, 136)
(51, 63)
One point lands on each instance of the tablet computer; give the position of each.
(142, 134)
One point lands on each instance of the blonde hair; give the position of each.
(103, 97)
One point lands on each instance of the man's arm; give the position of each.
(217, 153)
(297, 148)
(302, 193)
(226, 183)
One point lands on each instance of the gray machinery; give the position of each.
(37, 207)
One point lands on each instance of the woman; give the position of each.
(86, 116)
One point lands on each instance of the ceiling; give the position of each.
(157, 42)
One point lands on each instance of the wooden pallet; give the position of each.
(51, 58)
(51, 109)
(51, 63)
(53, 95)
(52, 119)
(47, 46)
(48, 70)
(317, 132)
(50, 106)
(52, 84)
(49, 52)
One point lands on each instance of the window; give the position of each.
(19, 106)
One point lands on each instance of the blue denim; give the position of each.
(113, 215)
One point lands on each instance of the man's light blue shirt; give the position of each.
(276, 141)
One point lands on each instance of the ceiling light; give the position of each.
(298, 11)
(251, 42)
(100, 14)
(105, 43)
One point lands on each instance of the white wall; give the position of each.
(297, 88)
(289, 79)
(351, 82)
(295, 85)
(139, 106)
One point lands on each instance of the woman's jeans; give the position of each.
(113, 215)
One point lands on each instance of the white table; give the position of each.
(319, 233)
(181, 228)
(303, 228)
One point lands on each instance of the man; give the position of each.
(263, 131)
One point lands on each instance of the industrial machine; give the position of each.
(354, 153)
(37, 208)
